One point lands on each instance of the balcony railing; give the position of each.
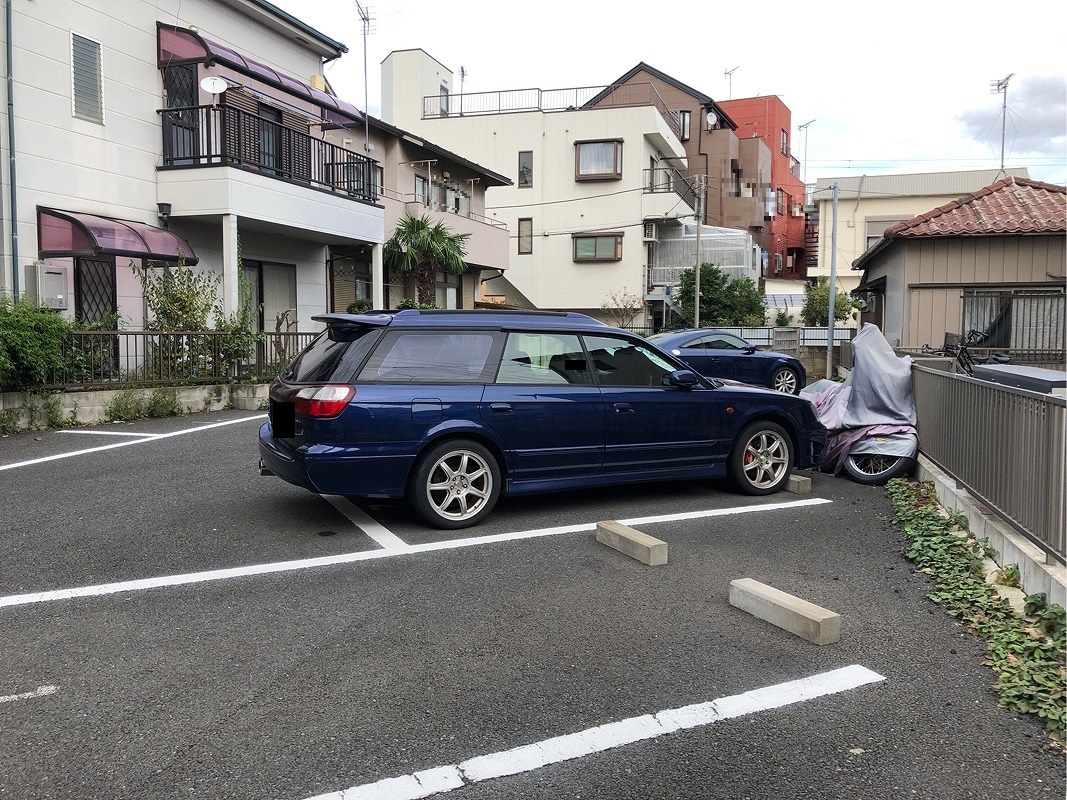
(626, 95)
(208, 136)
(666, 179)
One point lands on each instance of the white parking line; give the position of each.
(347, 558)
(40, 692)
(151, 437)
(111, 433)
(529, 757)
(370, 526)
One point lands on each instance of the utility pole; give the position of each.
(700, 187)
(833, 291)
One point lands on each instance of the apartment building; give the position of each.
(152, 132)
(598, 181)
(770, 121)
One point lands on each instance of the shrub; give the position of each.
(31, 344)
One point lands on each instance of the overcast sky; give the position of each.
(895, 87)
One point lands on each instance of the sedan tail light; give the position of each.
(323, 402)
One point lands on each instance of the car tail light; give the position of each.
(323, 402)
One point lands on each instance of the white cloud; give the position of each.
(900, 87)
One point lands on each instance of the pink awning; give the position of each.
(71, 233)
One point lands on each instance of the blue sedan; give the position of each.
(718, 354)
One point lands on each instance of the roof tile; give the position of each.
(1012, 205)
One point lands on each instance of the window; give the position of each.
(273, 288)
(444, 101)
(1021, 319)
(684, 121)
(877, 226)
(422, 190)
(446, 293)
(432, 358)
(600, 247)
(780, 199)
(525, 236)
(525, 168)
(542, 358)
(785, 142)
(88, 81)
(620, 362)
(598, 160)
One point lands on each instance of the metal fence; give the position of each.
(1004, 445)
(102, 359)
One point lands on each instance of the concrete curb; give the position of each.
(1037, 572)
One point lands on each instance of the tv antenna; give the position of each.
(365, 18)
(730, 77)
(462, 75)
(1001, 87)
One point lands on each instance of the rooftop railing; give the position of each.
(511, 101)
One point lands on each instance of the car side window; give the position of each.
(621, 362)
(723, 341)
(432, 357)
(542, 358)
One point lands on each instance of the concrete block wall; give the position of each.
(25, 411)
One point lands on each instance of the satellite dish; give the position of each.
(712, 120)
(213, 84)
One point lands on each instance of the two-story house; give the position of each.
(147, 134)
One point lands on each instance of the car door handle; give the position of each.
(624, 408)
(501, 408)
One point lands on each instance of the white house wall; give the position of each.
(558, 204)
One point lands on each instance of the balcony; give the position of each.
(664, 187)
(220, 135)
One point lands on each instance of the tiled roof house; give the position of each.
(992, 261)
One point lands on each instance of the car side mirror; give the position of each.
(683, 379)
(750, 349)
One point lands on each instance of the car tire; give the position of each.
(761, 458)
(873, 469)
(455, 484)
(786, 380)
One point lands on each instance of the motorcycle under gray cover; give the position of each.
(880, 383)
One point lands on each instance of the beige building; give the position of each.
(597, 187)
(869, 204)
(993, 261)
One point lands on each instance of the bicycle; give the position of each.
(961, 352)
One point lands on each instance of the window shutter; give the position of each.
(87, 79)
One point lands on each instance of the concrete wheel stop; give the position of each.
(799, 617)
(631, 542)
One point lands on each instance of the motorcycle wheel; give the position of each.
(873, 469)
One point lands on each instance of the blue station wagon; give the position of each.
(451, 410)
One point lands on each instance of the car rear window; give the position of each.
(333, 356)
(434, 357)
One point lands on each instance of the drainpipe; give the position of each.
(11, 155)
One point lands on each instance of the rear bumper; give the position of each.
(326, 469)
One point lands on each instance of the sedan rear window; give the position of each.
(334, 355)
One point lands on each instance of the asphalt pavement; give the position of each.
(173, 625)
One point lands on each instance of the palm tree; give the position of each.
(420, 246)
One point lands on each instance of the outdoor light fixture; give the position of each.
(164, 213)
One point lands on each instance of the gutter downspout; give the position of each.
(11, 159)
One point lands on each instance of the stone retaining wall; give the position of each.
(25, 410)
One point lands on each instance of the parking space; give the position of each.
(373, 658)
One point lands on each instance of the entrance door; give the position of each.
(94, 289)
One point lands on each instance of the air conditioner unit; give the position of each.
(651, 233)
